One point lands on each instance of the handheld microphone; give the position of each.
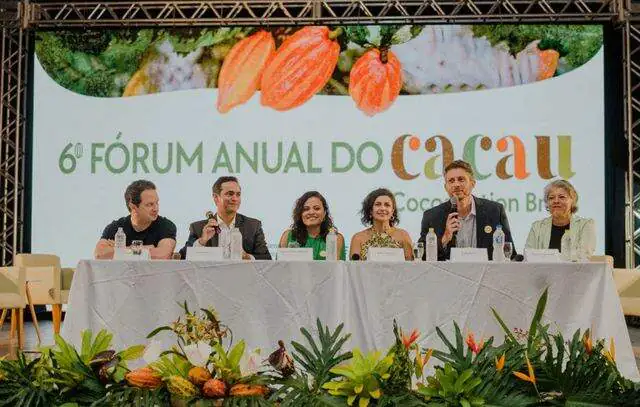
(355, 257)
(454, 208)
(210, 215)
(454, 203)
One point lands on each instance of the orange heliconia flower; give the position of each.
(408, 341)
(375, 81)
(473, 345)
(301, 67)
(588, 342)
(531, 377)
(242, 70)
(611, 353)
(500, 363)
(421, 361)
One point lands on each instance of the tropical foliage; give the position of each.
(537, 367)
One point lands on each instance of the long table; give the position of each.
(264, 301)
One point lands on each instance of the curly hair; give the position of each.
(367, 207)
(298, 229)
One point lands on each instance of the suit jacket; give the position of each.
(253, 241)
(489, 214)
(581, 230)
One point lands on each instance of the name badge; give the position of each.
(295, 254)
(542, 256)
(389, 254)
(469, 254)
(204, 254)
(128, 255)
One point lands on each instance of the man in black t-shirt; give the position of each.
(157, 233)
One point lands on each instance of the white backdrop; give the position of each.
(71, 210)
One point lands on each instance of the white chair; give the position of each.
(628, 285)
(12, 297)
(48, 282)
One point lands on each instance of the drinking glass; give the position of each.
(508, 251)
(136, 247)
(293, 244)
(418, 251)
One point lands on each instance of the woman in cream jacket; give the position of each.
(561, 200)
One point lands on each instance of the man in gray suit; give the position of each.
(216, 230)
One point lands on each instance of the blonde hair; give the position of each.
(563, 184)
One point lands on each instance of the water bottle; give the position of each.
(498, 244)
(331, 248)
(236, 244)
(120, 239)
(431, 245)
(565, 246)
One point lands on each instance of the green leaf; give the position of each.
(101, 343)
(406, 33)
(461, 379)
(504, 326)
(542, 304)
(87, 337)
(236, 353)
(132, 353)
(358, 34)
(416, 30)
(386, 34)
(158, 330)
(119, 374)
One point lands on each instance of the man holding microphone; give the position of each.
(465, 220)
(215, 231)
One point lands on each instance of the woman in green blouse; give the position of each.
(311, 223)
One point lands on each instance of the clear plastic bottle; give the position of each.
(120, 239)
(498, 244)
(236, 244)
(331, 248)
(431, 245)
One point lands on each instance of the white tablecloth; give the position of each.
(264, 301)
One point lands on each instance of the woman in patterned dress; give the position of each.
(380, 213)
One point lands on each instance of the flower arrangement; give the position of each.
(206, 368)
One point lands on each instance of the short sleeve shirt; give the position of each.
(161, 228)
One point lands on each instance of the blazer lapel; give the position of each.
(545, 233)
(240, 224)
(483, 238)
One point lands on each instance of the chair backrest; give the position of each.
(627, 282)
(628, 285)
(12, 287)
(42, 272)
(36, 260)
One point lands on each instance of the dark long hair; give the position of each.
(298, 228)
(367, 207)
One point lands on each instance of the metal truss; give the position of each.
(632, 131)
(18, 19)
(13, 77)
(262, 12)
